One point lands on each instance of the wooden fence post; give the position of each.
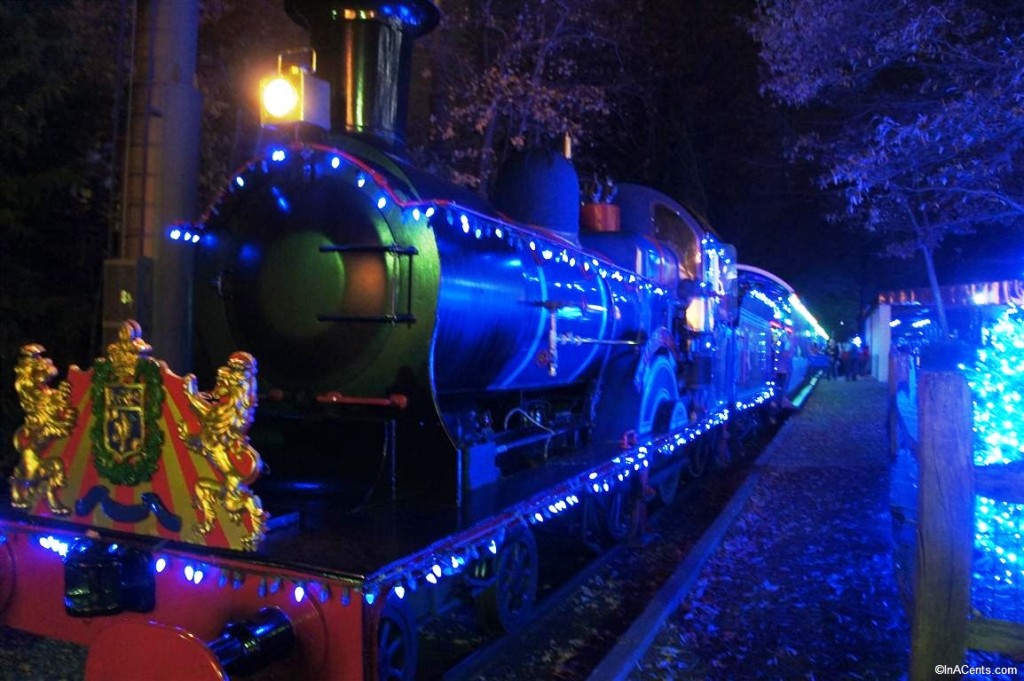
(945, 524)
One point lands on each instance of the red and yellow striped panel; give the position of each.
(125, 508)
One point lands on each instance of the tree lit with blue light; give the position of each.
(997, 380)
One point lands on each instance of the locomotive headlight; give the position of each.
(295, 95)
(280, 97)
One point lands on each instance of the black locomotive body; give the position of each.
(368, 299)
(438, 376)
(470, 364)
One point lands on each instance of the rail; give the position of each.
(932, 441)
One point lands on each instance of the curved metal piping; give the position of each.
(246, 647)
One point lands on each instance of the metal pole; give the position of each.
(150, 279)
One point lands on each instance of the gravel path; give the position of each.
(24, 657)
(802, 586)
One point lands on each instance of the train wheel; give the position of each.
(618, 515)
(667, 482)
(615, 512)
(719, 446)
(507, 603)
(397, 645)
(698, 454)
(742, 430)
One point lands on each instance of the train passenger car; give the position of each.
(404, 380)
(792, 330)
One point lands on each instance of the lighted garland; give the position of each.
(453, 555)
(327, 161)
(997, 380)
(137, 469)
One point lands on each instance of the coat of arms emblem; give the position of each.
(124, 430)
(127, 401)
(166, 457)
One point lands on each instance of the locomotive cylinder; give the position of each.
(246, 647)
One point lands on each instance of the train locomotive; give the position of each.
(438, 375)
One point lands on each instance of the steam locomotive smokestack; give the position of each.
(364, 49)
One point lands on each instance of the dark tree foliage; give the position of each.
(690, 122)
(654, 92)
(513, 74)
(239, 42)
(64, 79)
(650, 136)
(924, 136)
(628, 81)
(58, 173)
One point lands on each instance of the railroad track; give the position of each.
(578, 625)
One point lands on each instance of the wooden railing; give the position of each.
(931, 436)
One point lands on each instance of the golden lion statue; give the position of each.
(48, 415)
(225, 414)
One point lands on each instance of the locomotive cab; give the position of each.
(667, 243)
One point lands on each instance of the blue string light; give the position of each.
(54, 544)
(455, 553)
(997, 381)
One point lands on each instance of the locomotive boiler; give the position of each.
(472, 333)
(407, 380)
(372, 292)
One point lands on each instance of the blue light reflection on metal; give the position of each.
(282, 202)
(461, 550)
(457, 551)
(248, 254)
(797, 304)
